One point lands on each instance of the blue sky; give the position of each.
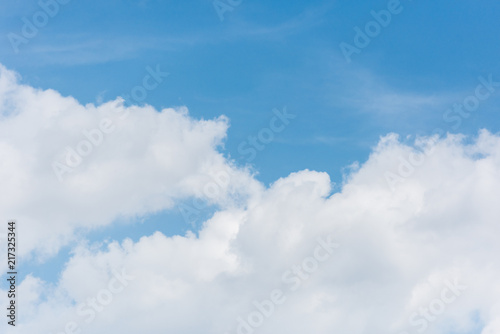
(264, 56)
(269, 55)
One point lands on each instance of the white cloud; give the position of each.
(148, 160)
(399, 248)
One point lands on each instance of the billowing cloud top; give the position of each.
(409, 244)
(67, 166)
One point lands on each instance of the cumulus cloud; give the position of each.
(415, 252)
(67, 166)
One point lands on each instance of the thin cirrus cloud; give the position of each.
(415, 227)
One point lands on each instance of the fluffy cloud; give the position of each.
(416, 227)
(67, 166)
